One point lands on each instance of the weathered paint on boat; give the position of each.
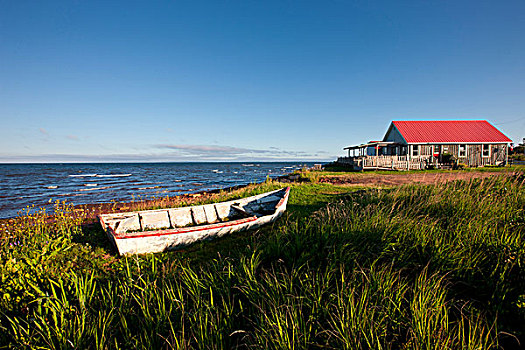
(153, 231)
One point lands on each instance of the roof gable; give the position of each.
(450, 131)
(394, 135)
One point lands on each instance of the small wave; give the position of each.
(51, 187)
(93, 189)
(113, 175)
(90, 184)
(83, 175)
(148, 188)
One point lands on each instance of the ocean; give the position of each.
(24, 185)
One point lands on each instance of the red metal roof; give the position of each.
(450, 131)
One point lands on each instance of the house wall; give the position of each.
(473, 157)
(426, 150)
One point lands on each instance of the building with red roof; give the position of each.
(426, 143)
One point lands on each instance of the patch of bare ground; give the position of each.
(397, 179)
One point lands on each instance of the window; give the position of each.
(486, 150)
(462, 152)
(445, 149)
(437, 150)
(415, 150)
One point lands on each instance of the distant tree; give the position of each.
(519, 149)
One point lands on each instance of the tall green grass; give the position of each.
(416, 267)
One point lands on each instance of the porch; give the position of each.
(383, 155)
(386, 162)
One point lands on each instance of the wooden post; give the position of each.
(506, 154)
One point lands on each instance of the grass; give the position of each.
(334, 169)
(413, 267)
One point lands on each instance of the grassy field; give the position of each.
(413, 267)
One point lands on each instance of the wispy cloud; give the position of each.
(43, 131)
(218, 152)
(72, 137)
(209, 149)
(176, 153)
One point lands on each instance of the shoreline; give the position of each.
(357, 179)
(37, 186)
(94, 209)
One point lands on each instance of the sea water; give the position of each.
(23, 185)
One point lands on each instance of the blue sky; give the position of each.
(248, 80)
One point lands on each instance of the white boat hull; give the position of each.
(167, 239)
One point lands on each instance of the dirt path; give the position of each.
(395, 179)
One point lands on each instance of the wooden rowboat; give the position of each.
(153, 231)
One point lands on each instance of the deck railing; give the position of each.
(385, 162)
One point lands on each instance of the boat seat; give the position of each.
(223, 210)
(132, 223)
(211, 214)
(240, 210)
(199, 215)
(156, 220)
(180, 217)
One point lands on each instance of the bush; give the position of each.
(447, 158)
(517, 156)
